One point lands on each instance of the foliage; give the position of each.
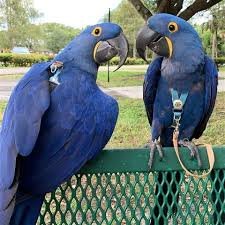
(212, 31)
(129, 61)
(127, 17)
(56, 36)
(220, 61)
(184, 9)
(205, 36)
(17, 16)
(18, 28)
(9, 59)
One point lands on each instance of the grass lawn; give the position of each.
(120, 78)
(132, 128)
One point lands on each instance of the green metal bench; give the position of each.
(117, 188)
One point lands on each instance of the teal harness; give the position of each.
(178, 104)
(56, 68)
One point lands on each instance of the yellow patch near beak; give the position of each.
(95, 50)
(170, 45)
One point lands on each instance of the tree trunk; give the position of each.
(214, 29)
(174, 7)
(197, 6)
(134, 46)
(142, 10)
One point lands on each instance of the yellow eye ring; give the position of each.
(172, 27)
(97, 31)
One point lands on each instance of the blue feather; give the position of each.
(48, 135)
(187, 70)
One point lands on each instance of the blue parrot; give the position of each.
(56, 120)
(179, 90)
(183, 75)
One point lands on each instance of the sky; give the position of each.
(75, 13)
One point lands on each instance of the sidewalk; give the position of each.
(135, 92)
(22, 70)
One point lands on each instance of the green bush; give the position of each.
(220, 61)
(10, 59)
(129, 61)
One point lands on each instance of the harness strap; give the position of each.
(56, 68)
(178, 104)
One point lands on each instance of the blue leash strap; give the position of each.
(178, 104)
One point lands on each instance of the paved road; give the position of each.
(135, 92)
(6, 87)
(22, 70)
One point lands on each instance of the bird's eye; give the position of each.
(173, 27)
(97, 31)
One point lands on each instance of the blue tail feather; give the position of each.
(27, 210)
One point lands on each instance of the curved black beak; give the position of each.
(156, 42)
(106, 50)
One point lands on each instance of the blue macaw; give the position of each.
(179, 89)
(56, 120)
(181, 70)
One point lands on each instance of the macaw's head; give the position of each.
(169, 36)
(95, 45)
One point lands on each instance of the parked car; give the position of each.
(20, 50)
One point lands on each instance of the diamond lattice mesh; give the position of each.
(106, 193)
(137, 198)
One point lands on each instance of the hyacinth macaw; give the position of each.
(50, 131)
(182, 69)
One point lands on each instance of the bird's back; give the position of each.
(78, 123)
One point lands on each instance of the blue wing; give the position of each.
(211, 81)
(22, 119)
(19, 131)
(77, 125)
(150, 86)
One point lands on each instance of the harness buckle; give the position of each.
(56, 69)
(177, 104)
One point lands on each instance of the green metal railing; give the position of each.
(117, 188)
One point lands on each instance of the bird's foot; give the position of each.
(193, 148)
(154, 145)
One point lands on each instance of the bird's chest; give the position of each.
(182, 84)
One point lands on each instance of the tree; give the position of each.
(56, 36)
(212, 31)
(127, 17)
(217, 24)
(174, 7)
(205, 35)
(17, 16)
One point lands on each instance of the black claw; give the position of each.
(152, 152)
(194, 150)
(159, 148)
(153, 146)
